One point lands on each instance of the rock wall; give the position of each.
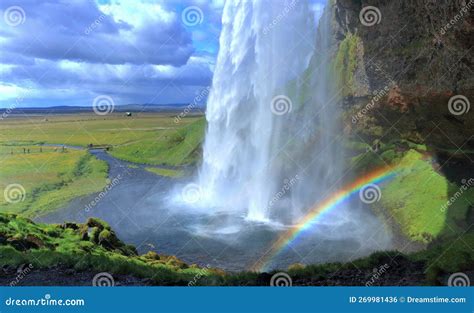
(400, 64)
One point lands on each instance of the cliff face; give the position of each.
(401, 65)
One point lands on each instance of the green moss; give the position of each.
(64, 245)
(418, 196)
(422, 201)
(451, 257)
(105, 235)
(345, 64)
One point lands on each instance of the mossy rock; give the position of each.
(26, 243)
(67, 225)
(84, 232)
(95, 222)
(94, 234)
(109, 240)
(174, 261)
(152, 255)
(129, 250)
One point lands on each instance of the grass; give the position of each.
(450, 257)
(166, 172)
(83, 129)
(89, 246)
(180, 147)
(53, 177)
(50, 179)
(158, 138)
(418, 196)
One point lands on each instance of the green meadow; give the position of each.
(82, 129)
(50, 178)
(53, 176)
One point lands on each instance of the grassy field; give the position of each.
(177, 146)
(83, 129)
(149, 138)
(50, 177)
(42, 181)
(166, 172)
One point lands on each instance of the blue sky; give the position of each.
(67, 52)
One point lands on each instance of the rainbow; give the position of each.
(332, 202)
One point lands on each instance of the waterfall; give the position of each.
(272, 146)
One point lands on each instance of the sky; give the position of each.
(69, 52)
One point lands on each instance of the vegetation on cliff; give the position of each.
(90, 246)
(423, 202)
(345, 64)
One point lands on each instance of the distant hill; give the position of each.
(174, 108)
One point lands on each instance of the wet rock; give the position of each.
(73, 226)
(95, 222)
(152, 255)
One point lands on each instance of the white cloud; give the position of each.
(137, 13)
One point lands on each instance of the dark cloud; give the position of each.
(78, 30)
(68, 52)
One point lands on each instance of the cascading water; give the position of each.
(272, 153)
(270, 149)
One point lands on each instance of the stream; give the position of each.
(136, 207)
